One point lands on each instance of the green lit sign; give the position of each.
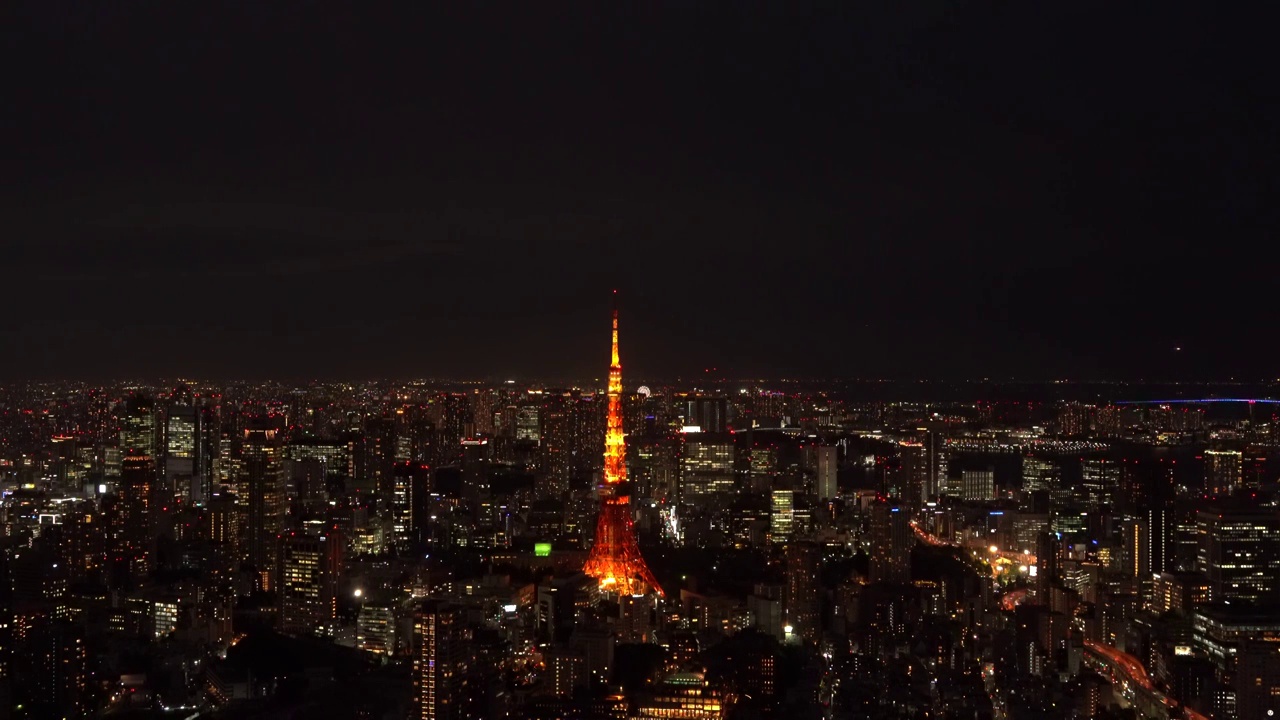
(542, 549)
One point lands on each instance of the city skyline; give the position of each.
(950, 388)
(501, 551)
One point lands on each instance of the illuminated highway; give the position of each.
(1132, 677)
(1013, 598)
(1124, 669)
(926, 538)
(1023, 558)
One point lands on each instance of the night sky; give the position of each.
(905, 189)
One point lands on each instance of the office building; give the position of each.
(706, 467)
(890, 544)
(181, 435)
(1240, 554)
(1100, 482)
(803, 590)
(782, 515)
(978, 484)
(138, 426)
(411, 488)
(131, 545)
(916, 483)
(376, 629)
(708, 414)
(439, 662)
(828, 467)
(1257, 680)
(308, 571)
(1223, 471)
(263, 494)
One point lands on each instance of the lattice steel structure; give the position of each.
(615, 558)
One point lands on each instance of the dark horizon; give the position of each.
(941, 191)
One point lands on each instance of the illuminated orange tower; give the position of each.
(615, 558)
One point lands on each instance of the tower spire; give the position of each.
(615, 558)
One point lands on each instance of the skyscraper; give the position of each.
(527, 426)
(138, 426)
(709, 414)
(412, 482)
(439, 662)
(915, 484)
(782, 514)
(615, 559)
(828, 467)
(1240, 553)
(455, 423)
(308, 581)
(131, 546)
(223, 530)
(262, 488)
(1258, 680)
(891, 541)
(804, 589)
(6, 631)
(1223, 471)
(706, 467)
(1100, 479)
(978, 484)
(376, 629)
(181, 436)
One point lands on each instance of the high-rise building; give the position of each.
(1257, 680)
(263, 495)
(916, 483)
(1136, 543)
(567, 668)
(527, 426)
(6, 631)
(181, 434)
(313, 467)
(1039, 474)
(978, 484)
(782, 514)
(1161, 544)
(556, 443)
(706, 467)
(412, 483)
(222, 519)
(455, 423)
(138, 426)
(439, 662)
(804, 590)
(1223, 471)
(379, 457)
(131, 535)
(1100, 479)
(709, 414)
(376, 629)
(1048, 566)
(828, 466)
(53, 673)
(891, 541)
(1240, 554)
(307, 584)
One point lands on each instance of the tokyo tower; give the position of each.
(615, 557)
